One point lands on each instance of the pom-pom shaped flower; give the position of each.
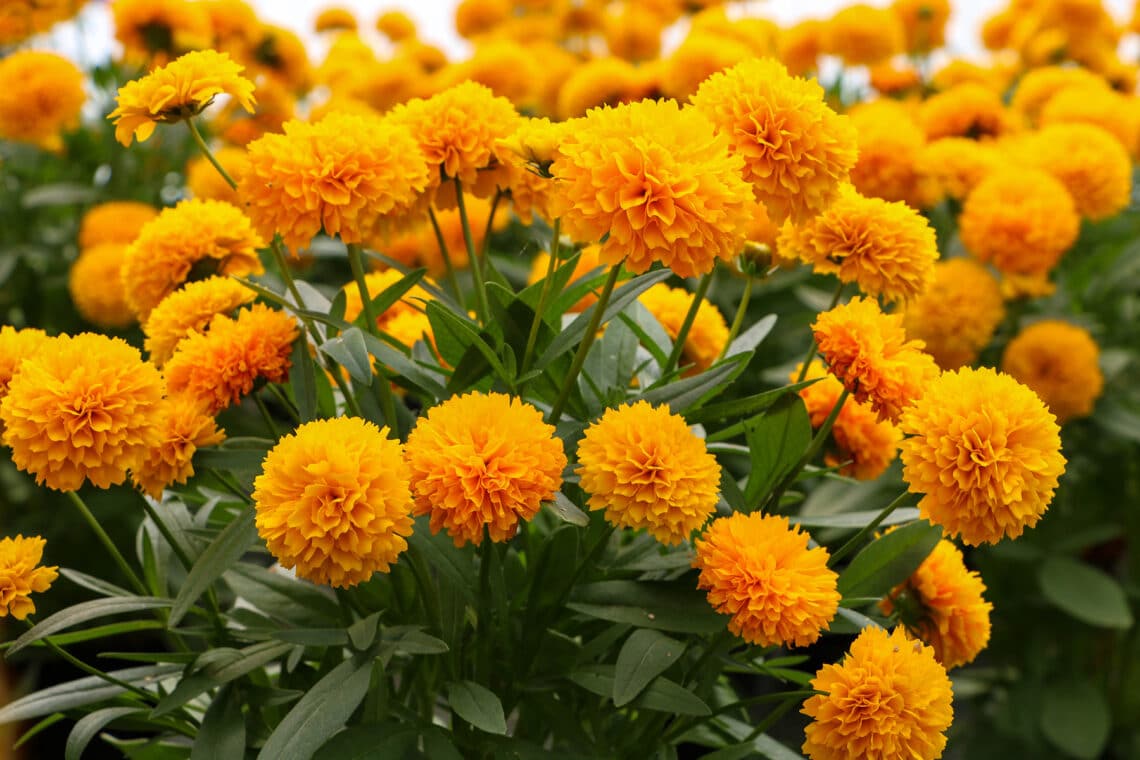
(868, 352)
(1090, 162)
(177, 91)
(864, 35)
(81, 408)
(151, 31)
(924, 23)
(958, 313)
(41, 94)
(115, 222)
(334, 20)
(193, 238)
(942, 604)
(708, 334)
(966, 110)
(953, 166)
(15, 346)
(887, 248)
(397, 26)
(483, 461)
(189, 310)
(890, 143)
(96, 286)
(1060, 363)
(796, 150)
(333, 501)
(759, 570)
(1040, 84)
(647, 469)
(180, 429)
(657, 180)
(21, 575)
(1108, 109)
(217, 367)
(985, 452)
(889, 699)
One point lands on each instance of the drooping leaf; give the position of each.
(84, 611)
(87, 727)
(81, 692)
(477, 705)
(890, 560)
(218, 557)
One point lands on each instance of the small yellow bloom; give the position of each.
(21, 574)
(114, 222)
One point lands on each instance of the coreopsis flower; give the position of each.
(178, 91)
(952, 167)
(759, 569)
(483, 462)
(1090, 163)
(889, 699)
(886, 248)
(189, 310)
(1117, 114)
(41, 95)
(81, 408)
(958, 313)
(708, 334)
(986, 453)
(157, 30)
(181, 428)
(657, 182)
(1039, 85)
(587, 262)
(217, 367)
(941, 603)
(206, 182)
(21, 575)
(965, 110)
(1060, 363)
(869, 353)
(890, 142)
(397, 26)
(864, 35)
(1019, 219)
(924, 23)
(646, 469)
(96, 286)
(796, 150)
(15, 346)
(335, 19)
(333, 501)
(114, 222)
(195, 237)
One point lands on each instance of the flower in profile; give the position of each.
(217, 367)
(890, 143)
(759, 569)
(195, 238)
(483, 461)
(708, 334)
(96, 286)
(796, 150)
(887, 248)
(1060, 363)
(869, 353)
(155, 31)
(986, 453)
(21, 575)
(889, 699)
(958, 313)
(657, 182)
(178, 91)
(205, 182)
(924, 23)
(41, 95)
(1090, 162)
(397, 26)
(335, 19)
(952, 167)
(587, 262)
(941, 603)
(181, 428)
(333, 501)
(114, 222)
(189, 310)
(966, 110)
(81, 408)
(15, 346)
(647, 469)
(863, 35)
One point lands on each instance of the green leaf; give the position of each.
(218, 557)
(87, 727)
(890, 560)
(81, 692)
(645, 655)
(280, 595)
(1084, 592)
(321, 713)
(217, 667)
(664, 606)
(567, 510)
(407, 369)
(741, 407)
(303, 378)
(662, 694)
(849, 621)
(91, 583)
(348, 350)
(777, 441)
(368, 742)
(610, 362)
(85, 611)
(477, 705)
(98, 632)
(685, 393)
(363, 632)
(455, 567)
(222, 733)
(411, 640)
(752, 337)
(1075, 718)
(854, 520)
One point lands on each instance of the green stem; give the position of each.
(584, 346)
(490, 222)
(184, 559)
(209, 154)
(814, 346)
(289, 406)
(687, 325)
(532, 337)
(383, 389)
(741, 312)
(449, 267)
(853, 542)
(482, 308)
(773, 501)
(90, 669)
(265, 415)
(775, 715)
(108, 544)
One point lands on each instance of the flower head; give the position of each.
(889, 699)
(958, 313)
(708, 334)
(924, 23)
(1060, 363)
(952, 167)
(890, 143)
(181, 428)
(759, 569)
(205, 182)
(863, 35)
(966, 110)
(1108, 109)
(1040, 84)
(81, 408)
(189, 310)
(41, 95)
(1090, 162)
(96, 287)
(397, 26)
(647, 470)
(21, 574)
(333, 501)
(15, 346)
(483, 461)
(114, 222)
(335, 19)
(155, 30)
(985, 452)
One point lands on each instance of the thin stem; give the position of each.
(183, 558)
(108, 544)
(289, 406)
(814, 346)
(490, 222)
(741, 312)
(687, 325)
(209, 154)
(853, 542)
(813, 448)
(482, 308)
(532, 337)
(383, 390)
(452, 280)
(90, 669)
(584, 346)
(265, 415)
(775, 715)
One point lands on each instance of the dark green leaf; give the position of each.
(222, 734)
(363, 632)
(477, 705)
(777, 440)
(84, 611)
(1085, 593)
(752, 337)
(84, 691)
(684, 393)
(217, 667)
(645, 655)
(86, 728)
(396, 361)
(890, 560)
(369, 742)
(348, 350)
(218, 557)
(1075, 717)
(280, 595)
(567, 510)
(741, 407)
(662, 694)
(855, 520)
(410, 640)
(91, 583)
(303, 379)
(99, 632)
(676, 607)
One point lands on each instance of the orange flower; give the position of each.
(15, 346)
(953, 166)
(114, 222)
(1090, 162)
(707, 335)
(156, 30)
(1060, 363)
(180, 430)
(924, 23)
(335, 20)
(21, 574)
(189, 311)
(397, 26)
(41, 95)
(864, 35)
(958, 313)
(965, 110)
(890, 144)
(96, 286)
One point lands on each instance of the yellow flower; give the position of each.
(889, 699)
(634, 34)
(1060, 363)
(985, 452)
(483, 461)
(157, 30)
(648, 470)
(216, 368)
(965, 110)
(409, 327)
(1115, 113)
(114, 222)
(333, 501)
(335, 19)
(951, 167)
(96, 286)
(796, 150)
(890, 143)
(924, 23)
(508, 68)
(868, 352)
(377, 282)
(15, 346)
(759, 569)
(958, 313)
(708, 334)
(605, 81)
(1020, 219)
(280, 55)
(189, 310)
(41, 95)
(21, 574)
(941, 603)
(800, 46)
(701, 55)
(888, 249)
(181, 428)
(235, 26)
(177, 91)
(195, 237)
(20, 19)
(888, 79)
(206, 183)
(397, 26)
(587, 262)
(864, 35)
(657, 180)
(81, 408)
(476, 17)
(1039, 85)
(1091, 163)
